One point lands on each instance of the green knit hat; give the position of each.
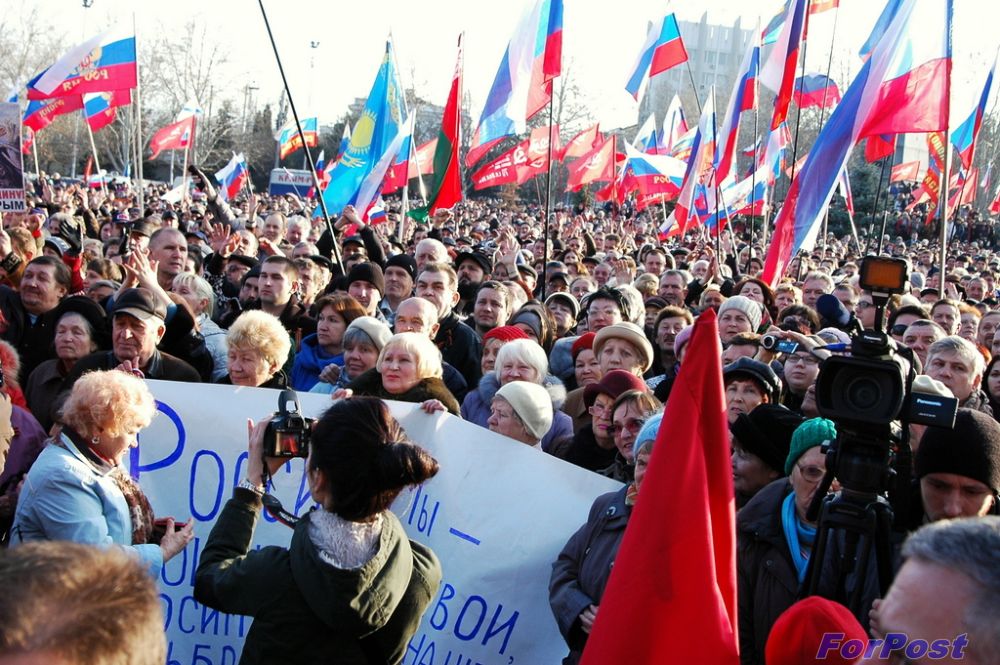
(813, 432)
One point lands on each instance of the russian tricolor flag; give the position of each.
(964, 137)
(674, 126)
(662, 50)
(522, 84)
(232, 177)
(778, 72)
(40, 113)
(100, 64)
(815, 90)
(645, 138)
(653, 174)
(904, 87)
(699, 170)
(99, 107)
(743, 98)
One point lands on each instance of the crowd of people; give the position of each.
(569, 342)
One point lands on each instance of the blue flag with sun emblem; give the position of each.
(381, 120)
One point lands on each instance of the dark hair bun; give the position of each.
(362, 451)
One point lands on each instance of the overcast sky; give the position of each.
(600, 39)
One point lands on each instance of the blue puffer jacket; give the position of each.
(310, 361)
(476, 406)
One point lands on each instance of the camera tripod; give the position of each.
(853, 525)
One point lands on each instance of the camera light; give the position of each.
(883, 275)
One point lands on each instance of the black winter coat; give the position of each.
(582, 570)
(370, 384)
(767, 582)
(306, 610)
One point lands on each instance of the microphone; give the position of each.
(833, 312)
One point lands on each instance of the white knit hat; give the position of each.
(532, 404)
(751, 308)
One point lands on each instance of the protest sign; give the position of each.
(496, 515)
(11, 160)
(289, 181)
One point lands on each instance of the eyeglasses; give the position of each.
(898, 330)
(863, 304)
(802, 360)
(811, 473)
(597, 410)
(632, 426)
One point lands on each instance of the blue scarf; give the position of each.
(798, 535)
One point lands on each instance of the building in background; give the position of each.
(714, 55)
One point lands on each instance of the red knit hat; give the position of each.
(584, 341)
(799, 632)
(505, 334)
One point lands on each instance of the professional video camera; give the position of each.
(868, 395)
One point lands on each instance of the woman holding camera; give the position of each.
(351, 587)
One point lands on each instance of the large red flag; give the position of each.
(596, 165)
(172, 137)
(446, 189)
(905, 171)
(582, 143)
(995, 204)
(502, 170)
(671, 597)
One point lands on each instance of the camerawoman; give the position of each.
(350, 587)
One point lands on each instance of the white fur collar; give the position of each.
(341, 543)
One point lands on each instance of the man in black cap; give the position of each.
(137, 326)
(400, 274)
(473, 269)
(366, 284)
(958, 470)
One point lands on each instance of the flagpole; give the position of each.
(798, 107)
(822, 110)
(184, 174)
(878, 192)
(694, 86)
(34, 151)
(302, 137)
(548, 199)
(97, 162)
(138, 121)
(753, 169)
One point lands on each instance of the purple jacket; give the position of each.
(476, 407)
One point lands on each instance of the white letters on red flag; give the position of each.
(500, 171)
(598, 165)
(172, 137)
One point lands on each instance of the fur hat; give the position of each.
(632, 334)
(531, 403)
